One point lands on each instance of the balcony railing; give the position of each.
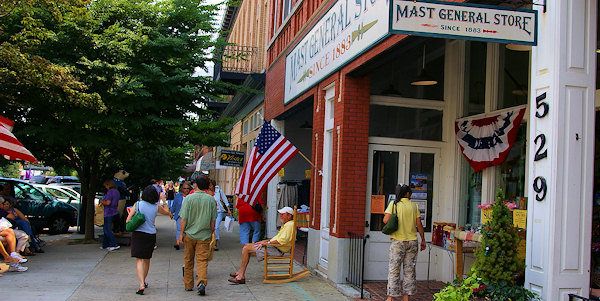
(241, 59)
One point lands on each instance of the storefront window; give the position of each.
(474, 181)
(393, 73)
(407, 123)
(514, 74)
(476, 53)
(384, 181)
(510, 175)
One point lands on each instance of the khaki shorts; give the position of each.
(272, 251)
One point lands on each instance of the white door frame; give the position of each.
(326, 179)
(376, 251)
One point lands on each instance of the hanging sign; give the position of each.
(487, 141)
(464, 21)
(344, 32)
(231, 158)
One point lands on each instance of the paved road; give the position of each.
(79, 272)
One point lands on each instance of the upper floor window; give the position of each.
(287, 8)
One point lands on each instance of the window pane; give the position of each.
(514, 73)
(393, 77)
(407, 123)
(384, 181)
(421, 182)
(475, 78)
(473, 197)
(510, 175)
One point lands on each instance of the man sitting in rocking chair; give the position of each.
(276, 246)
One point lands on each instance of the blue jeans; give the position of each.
(109, 238)
(220, 217)
(245, 231)
(177, 229)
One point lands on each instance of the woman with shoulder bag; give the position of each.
(404, 247)
(143, 239)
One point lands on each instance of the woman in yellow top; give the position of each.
(404, 246)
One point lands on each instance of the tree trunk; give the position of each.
(89, 183)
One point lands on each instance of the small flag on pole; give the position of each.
(270, 152)
(10, 147)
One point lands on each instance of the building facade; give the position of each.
(374, 125)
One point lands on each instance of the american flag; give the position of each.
(10, 147)
(270, 152)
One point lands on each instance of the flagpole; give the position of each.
(310, 162)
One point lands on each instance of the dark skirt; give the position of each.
(142, 244)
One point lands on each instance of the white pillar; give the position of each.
(559, 225)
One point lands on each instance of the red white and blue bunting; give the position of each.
(486, 141)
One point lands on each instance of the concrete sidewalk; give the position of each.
(84, 272)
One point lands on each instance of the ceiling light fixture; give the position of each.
(423, 79)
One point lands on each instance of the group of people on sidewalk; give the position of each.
(18, 238)
(198, 208)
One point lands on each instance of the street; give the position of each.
(72, 271)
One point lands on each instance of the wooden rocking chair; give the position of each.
(280, 269)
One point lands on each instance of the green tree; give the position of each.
(496, 260)
(135, 61)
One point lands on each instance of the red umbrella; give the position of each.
(10, 146)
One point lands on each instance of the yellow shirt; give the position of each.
(407, 212)
(284, 237)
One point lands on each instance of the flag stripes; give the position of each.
(269, 154)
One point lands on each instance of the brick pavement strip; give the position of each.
(84, 272)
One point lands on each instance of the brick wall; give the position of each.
(351, 153)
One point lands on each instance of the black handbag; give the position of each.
(392, 224)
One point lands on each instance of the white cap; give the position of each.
(286, 210)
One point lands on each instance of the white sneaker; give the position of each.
(17, 256)
(15, 267)
(113, 248)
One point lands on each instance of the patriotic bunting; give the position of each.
(487, 141)
(10, 147)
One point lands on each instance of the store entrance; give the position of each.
(390, 165)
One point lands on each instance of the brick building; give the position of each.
(376, 123)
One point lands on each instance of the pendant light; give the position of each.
(423, 79)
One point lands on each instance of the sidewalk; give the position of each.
(84, 272)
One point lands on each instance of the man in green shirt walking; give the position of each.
(197, 219)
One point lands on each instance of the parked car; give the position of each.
(39, 179)
(42, 210)
(63, 179)
(62, 193)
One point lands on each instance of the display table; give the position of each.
(459, 250)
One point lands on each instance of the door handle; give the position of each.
(367, 224)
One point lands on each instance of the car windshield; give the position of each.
(23, 191)
(57, 193)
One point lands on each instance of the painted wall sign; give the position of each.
(464, 21)
(231, 158)
(344, 32)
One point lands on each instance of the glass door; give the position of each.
(390, 165)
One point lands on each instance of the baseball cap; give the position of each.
(286, 210)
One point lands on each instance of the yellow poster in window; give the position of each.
(520, 218)
(281, 173)
(486, 215)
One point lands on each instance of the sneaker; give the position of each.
(17, 256)
(201, 289)
(15, 267)
(113, 248)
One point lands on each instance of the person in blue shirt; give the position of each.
(222, 210)
(175, 206)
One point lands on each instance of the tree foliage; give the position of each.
(106, 84)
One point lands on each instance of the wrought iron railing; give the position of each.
(356, 267)
(241, 59)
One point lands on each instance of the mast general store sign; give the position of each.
(464, 21)
(351, 27)
(347, 29)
